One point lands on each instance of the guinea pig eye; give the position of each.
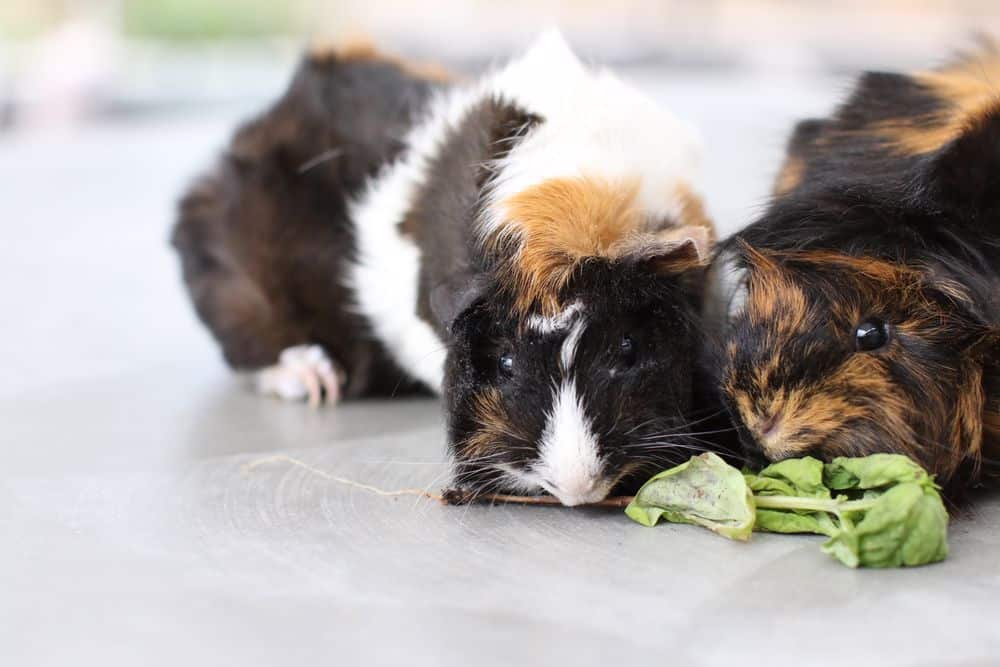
(505, 364)
(626, 350)
(871, 335)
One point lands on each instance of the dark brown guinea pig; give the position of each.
(860, 313)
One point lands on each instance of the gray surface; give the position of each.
(131, 531)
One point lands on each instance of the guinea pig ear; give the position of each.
(673, 250)
(965, 173)
(693, 238)
(454, 296)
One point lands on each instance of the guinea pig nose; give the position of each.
(581, 492)
(769, 425)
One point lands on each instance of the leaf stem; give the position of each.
(836, 506)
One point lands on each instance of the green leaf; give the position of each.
(906, 525)
(789, 478)
(800, 477)
(888, 513)
(872, 472)
(777, 521)
(765, 486)
(705, 491)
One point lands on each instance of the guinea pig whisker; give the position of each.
(673, 447)
(687, 433)
(678, 428)
(711, 415)
(405, 463)
(642, 425)
(717, 431)
(684, 442)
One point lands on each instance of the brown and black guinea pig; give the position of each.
(529, 243)
(860, 313)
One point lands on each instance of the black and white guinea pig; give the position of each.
(530, 244)
(860, 314)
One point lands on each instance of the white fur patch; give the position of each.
(548, 325)
(570, 466)
(594, 126)
(518, 480)
(385, 279)
(567, 350)
(385, 275)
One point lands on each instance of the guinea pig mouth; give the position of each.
(592, 489)
(754, 450)
(769, 438)
(571, 495)
(570, 490)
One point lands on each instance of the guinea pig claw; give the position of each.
(302, 372)
(309, 378)
(331, 383)
(322, 383)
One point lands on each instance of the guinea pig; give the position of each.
(530, 244)
(860, 313)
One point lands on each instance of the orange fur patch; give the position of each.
(692, 213)
(909, 281)
(561, 222)
(493, 422)
(363, 49)
(970, 89)
(967, 427)
(991, 428)
(774, 296)
(825, 409)
(790, 176)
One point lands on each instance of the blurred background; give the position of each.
(108, 109)
(72, 61)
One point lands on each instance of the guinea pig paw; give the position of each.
(302, 372)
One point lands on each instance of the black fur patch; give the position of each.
(640, 401)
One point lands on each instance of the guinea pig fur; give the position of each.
(531, 244)
(860, 313)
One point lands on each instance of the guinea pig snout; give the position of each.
(767, 424)
(579, 490)
(570, 465)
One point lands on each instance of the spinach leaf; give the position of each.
(906, 525)
(872, 472)
(887, 512)
(705, 491)
(803, 476)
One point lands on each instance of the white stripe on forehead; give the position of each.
(570, 343)
(558, 322)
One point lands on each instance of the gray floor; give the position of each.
(132, 531)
